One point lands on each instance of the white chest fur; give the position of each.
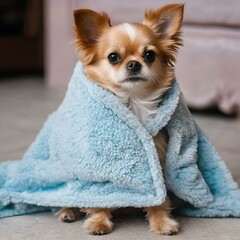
(144, 107)
(144, 110)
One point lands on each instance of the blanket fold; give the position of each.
(93, 152)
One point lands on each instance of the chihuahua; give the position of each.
(134, 61)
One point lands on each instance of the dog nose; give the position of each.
(134, 66)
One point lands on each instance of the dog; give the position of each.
(134, 61)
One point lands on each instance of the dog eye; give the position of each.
(114, 58)
(149, 56)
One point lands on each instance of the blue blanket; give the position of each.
(93, 152)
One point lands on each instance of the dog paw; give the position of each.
(98, 228)
(67, 215)
(166, 226)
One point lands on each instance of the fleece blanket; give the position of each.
(93, 152)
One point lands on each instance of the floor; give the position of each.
(25, 104)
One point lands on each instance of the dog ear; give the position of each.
(88, 28)
(90, 24)
(166, 23)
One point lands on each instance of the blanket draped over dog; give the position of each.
(93, 152)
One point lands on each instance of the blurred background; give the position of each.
(37, 57)
(21, 37)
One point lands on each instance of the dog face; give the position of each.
(129, 57)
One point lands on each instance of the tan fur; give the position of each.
(98, 221)
(96, 39)
(160, 221)
(161, 142)
(67, 215)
